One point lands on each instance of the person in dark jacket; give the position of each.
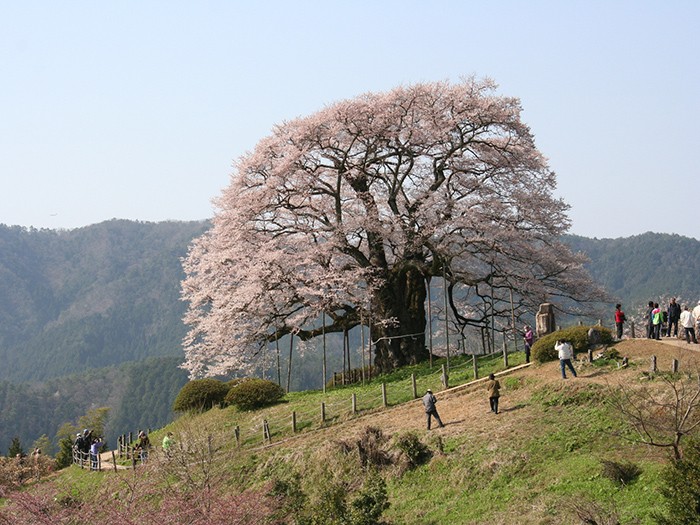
(674, 314)
(649, 326)
(429, 401)
(493, 387)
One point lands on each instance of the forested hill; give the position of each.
(644, 267)
(90, 297)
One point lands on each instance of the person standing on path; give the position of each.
(688, 324)
(429, 401)
(493, 387)
(566, 354)
(674, 314)
(619, 320)
(649, 326)
(656, 321)
(529, 338)
(696, 316)
(95, 453)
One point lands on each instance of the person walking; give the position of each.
(619, 320)
(688, 323)
(493, 387)
(673, 316)
(529, 337)
(566, 354)
(429, 401)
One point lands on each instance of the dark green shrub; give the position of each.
(543, 349)
(681, 488)
(371, 502)
(415, 450)
(201, 395)
(254, 393)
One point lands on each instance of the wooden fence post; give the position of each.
(590, 355)
(114, 461)
(632, 330)
(475, 367)
(294, 422)
(384, 401)
(237, 433)
(266, 432)
(674, 366)
(323, 412)
(444, 378)
(354, 403)
(654, 369)
(413, 386)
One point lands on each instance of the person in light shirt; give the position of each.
(566, 354)
(688, 324)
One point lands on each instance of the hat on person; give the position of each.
(78, 434)
(429, 391)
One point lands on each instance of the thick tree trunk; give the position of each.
(402, 299)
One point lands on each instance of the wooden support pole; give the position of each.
(654, 368)
(475, 367)
(384, 398)
(237, 433)
(323, 412)
(294, 422)
(674, 366)
(354, 403)
(413, 386)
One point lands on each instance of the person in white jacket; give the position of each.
(566, 354)
(688, 324)
(696, 316)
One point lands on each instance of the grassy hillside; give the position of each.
(541, 460)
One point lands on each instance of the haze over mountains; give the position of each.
(92, 317)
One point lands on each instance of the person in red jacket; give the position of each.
(619, 320)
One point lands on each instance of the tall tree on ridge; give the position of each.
(352, 209)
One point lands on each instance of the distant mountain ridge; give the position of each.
(92, 297)
(97, 311)
(644, 267)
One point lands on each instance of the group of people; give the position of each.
(672, 316)
(665, 321)
(87, 447)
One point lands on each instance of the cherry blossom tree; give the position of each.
(351, 211)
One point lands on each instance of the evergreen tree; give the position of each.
(15, 448)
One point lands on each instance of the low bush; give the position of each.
(200, 395)
(254, 393)
(413, 448)
(620, 473)
(543, 350)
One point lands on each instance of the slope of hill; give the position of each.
(542, 460)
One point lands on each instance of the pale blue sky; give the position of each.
(136, 109)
